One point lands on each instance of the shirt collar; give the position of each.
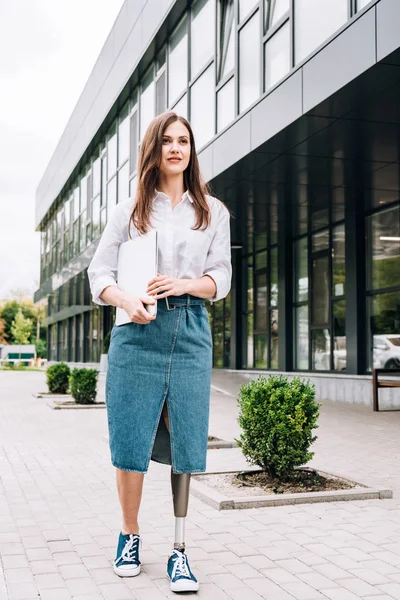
(185, 196)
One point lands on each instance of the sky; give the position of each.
(47, 51)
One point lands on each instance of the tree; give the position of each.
(3, 335)
(35, 313)
(21, 329)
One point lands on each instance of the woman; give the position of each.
(159, 367)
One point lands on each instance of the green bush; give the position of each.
(277, 418)
(58, 378)
(83, 384)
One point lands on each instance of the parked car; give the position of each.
(386, 351)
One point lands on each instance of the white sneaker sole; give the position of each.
(130, 572)
(183, 585)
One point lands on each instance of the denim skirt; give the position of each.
(167, 361)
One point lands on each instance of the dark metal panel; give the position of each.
(232, 145)
(280, 108)
(388, 30)
(341, 61)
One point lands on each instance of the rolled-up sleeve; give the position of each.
(218, 264)
(102, 270)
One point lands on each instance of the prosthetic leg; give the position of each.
(180, 493)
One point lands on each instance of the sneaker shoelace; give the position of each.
(131, 550)
(180, 566)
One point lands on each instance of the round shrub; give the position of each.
(277, 418)
(57, 378)
(83, 384)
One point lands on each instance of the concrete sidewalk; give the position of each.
(59, 512)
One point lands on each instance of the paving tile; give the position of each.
(22, 591)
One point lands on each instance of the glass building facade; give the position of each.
(315, 220)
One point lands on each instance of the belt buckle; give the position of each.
(167, 303)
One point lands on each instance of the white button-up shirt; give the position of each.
(183, 253)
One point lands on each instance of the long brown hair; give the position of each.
(148, 170)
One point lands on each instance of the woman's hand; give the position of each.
(164, 285)
(134, 307)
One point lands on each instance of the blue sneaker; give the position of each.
(127, 563)
(179, 573)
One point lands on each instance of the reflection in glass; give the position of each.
(274, 276)
(338, 204)
(315, 21)
(202, 34)
(250, 290)
(261, 348)
(181, 108)
(339, 261)
(178, 58)
(226, 104)
(277, 56)
(261, 302)
(249, 63)
(123, 183)
(76, 203)
(339, 335)
(147, 102)
(320, 295)
(320, 240)
(133, 142)
(227, 333)
(301, 270)
(250, 340)
(227, 39)
(274, 339)
(301, 317)
(218, 338)
(202, 108)
(82, 237)
(261, 261)
(384, 249)
(321, 349)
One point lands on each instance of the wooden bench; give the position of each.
(377, 383)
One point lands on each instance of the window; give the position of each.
(111, 196)
(315, 21)
(123, 141)
(362, 3)
(339, 261)
(384, 330)
(96, 171)
(161, 94)
(384, 251)
(301, 316)
(226, 104)
(202, 107)
(76, 203)
(275, 10)
(277, 56)
(134, 142)
(111, 155)
(202, 35)
(245, 6)
(96, 218)
(178, 63)
(321, 291)
(123, 183)
(301, 270)
(181, 107)
(147, 102)
(249, 63)
(226, 54)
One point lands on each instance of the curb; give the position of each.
(73, 405)
(214, 498)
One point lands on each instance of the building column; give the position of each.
(285, 281)
(356, 334)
